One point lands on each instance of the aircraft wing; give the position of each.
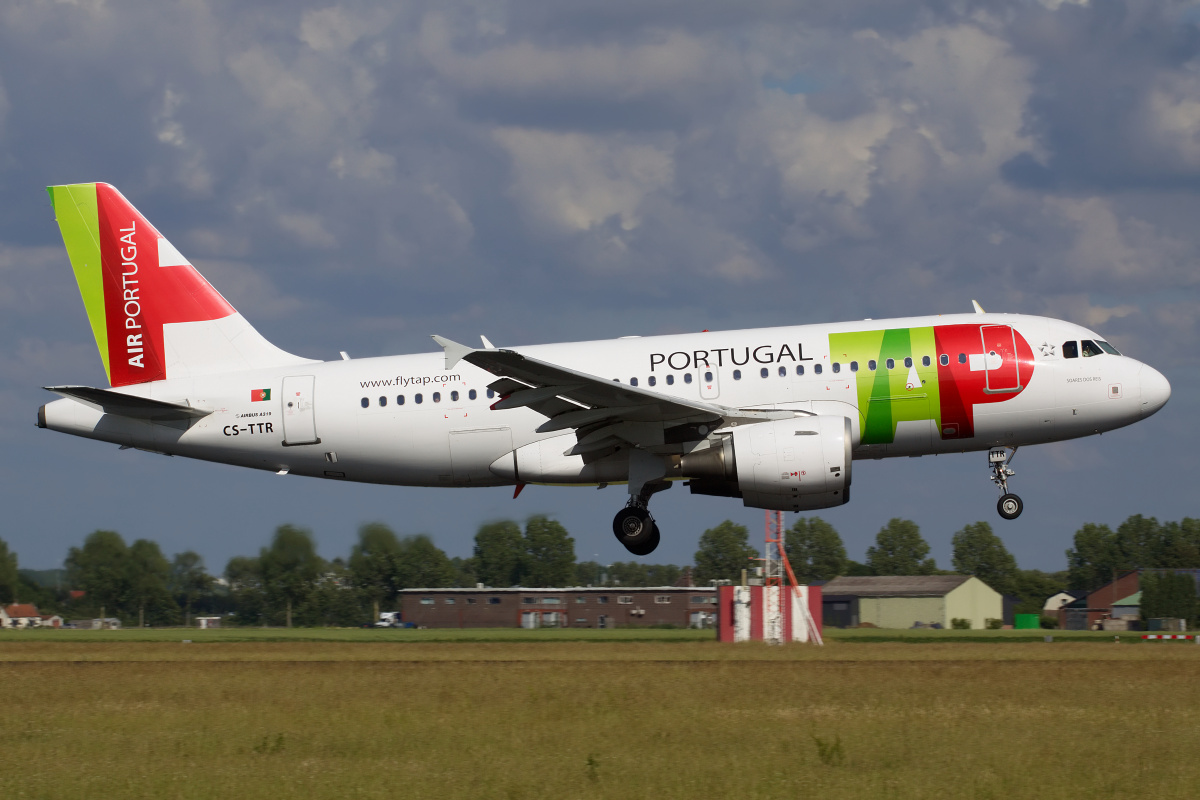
(124, 405)
(596, 407)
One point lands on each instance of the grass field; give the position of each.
(617, 714)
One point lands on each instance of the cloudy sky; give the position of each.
(358, 176)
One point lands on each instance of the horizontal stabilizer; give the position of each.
(124, 405)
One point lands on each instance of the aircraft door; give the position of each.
(710, 383)
(1000, 359)
(299, 424)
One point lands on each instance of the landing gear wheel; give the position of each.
(1010, 506)
(635, 529)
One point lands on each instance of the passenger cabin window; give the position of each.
(417, 398)
(816, 369)
(708, 377)
(437, 397)
(924, 361)
(908, 362)
(399, 399)
(871, 365)
(854, 366)
(1090, 348)
(837, 366)
(366, 403)
(670, 380)
(382, 402)
(737, 374)
(783, 372)
(944, 360)
(454, 397)
(633, 381)
(687, 377)
(962, 358)
(799, 369)
(471, 395)
(652, 380)
(890, 363)
(764, 372)
(491, 394)
(1070, 349)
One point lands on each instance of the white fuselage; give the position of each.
(407, 420)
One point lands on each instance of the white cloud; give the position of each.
(1112, 251)
(333, 29)
(4, 107)
(1172, 118)
(573, 181)
(669, 61)
(364, 163)
(309, 229)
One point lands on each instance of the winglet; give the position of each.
(486, 344)
(978, 308)
(454, 350)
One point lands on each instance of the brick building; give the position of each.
(579, 607)
(1117, 600)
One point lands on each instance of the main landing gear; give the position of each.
(633, 525)
(636, 529)
(1009, 505)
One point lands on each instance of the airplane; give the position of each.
(773, 416)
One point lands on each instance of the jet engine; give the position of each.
(784, 465)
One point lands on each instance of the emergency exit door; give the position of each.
(299, 424)
(1000, 359)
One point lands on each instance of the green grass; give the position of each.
(357, 635)
(379, 635)
(277, 717)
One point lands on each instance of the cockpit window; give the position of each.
(1090, 349)
(1108, 348)
(1070, 349)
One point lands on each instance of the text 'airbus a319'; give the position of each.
(774, 416)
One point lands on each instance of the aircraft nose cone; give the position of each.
(1155, 390)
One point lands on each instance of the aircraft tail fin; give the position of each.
(153, 315)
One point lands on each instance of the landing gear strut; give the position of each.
(1009, 505)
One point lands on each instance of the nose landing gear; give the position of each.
(1009, 505)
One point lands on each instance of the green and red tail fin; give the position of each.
(153, 315)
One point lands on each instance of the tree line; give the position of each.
(289, 583)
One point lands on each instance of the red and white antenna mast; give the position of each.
(780, 587)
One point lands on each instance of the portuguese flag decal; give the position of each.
(257, 395)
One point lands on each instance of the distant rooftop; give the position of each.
(895, 585)
(529, 589)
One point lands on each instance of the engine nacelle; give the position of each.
(786, 465)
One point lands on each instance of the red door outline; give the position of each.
(1000, 340)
